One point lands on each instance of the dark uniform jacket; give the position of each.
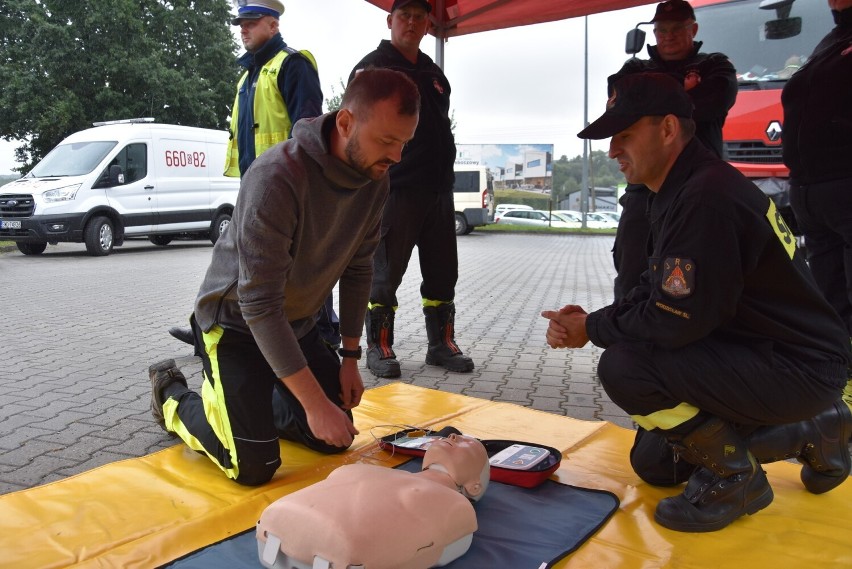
(818, 110)
(724, 264)
(427, 161)
(715, 93)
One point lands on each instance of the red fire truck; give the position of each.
(767, 41)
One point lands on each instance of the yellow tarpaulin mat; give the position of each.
(151, 510)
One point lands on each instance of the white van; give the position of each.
(122, 179)
(473, 195)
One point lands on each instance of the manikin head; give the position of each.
(464, 459)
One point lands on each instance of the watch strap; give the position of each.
(344, 353)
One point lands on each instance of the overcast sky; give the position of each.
(516, 86)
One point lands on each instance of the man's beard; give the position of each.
(355, 159)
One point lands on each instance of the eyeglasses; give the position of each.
(672, 30)
(417, 17)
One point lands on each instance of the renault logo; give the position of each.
(773, 131)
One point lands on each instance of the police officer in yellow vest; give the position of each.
(279, 87)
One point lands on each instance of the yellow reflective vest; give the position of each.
(270, 114)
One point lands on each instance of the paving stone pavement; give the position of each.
(78, 334)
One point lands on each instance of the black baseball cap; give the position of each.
(639, 95)
(673, 11)
(400, 3)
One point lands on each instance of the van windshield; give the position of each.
(74, 159)
(764, 44)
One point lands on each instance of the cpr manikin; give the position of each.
(371, 517)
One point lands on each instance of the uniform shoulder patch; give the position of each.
(678, 277)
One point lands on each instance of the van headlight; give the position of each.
(61, 194)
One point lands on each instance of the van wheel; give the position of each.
(461, 225)
(31, 248)
(161, 240)
(99, 237)
(222, 221)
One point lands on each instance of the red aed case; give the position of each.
(414, 442)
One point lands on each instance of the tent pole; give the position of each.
(584, 191)
(440, 34)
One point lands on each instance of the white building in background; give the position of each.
(519, 166)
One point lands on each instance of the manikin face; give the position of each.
(463, 457)
(375, 143)
(839, 4)
(408, 25)
(639, 151)
(255, 33)
(674, 39)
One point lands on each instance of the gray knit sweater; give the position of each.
(303, 220)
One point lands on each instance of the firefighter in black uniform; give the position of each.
(419, 210)
(817, 147)
(726, 346)
(711, 82)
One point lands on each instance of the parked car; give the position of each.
(532, 217)
(597, 220)
(571, 220)
(613, 215)
(504, 207)
(594, 219)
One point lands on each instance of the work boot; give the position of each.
(162, 375)
(727, 483)
(653, 459)
(443, 350)
(183, 334)
(381, 361)
(819, 443)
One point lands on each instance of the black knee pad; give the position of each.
(255, 474)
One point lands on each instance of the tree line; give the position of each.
(568, 174)
(65, 64)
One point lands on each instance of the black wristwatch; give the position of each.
(344, 353)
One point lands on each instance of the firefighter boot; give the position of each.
(727, 483)
(381, 361)
(819, 443)
(443, 350)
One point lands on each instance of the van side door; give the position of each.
(134, 199)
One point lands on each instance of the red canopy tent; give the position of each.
(460, 17)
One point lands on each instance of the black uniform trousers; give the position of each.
(427, 220)
(244, 408)
(748, 385)
(824, 215)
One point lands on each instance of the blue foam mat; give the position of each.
(518, 528)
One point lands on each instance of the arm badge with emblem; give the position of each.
(678, 277)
